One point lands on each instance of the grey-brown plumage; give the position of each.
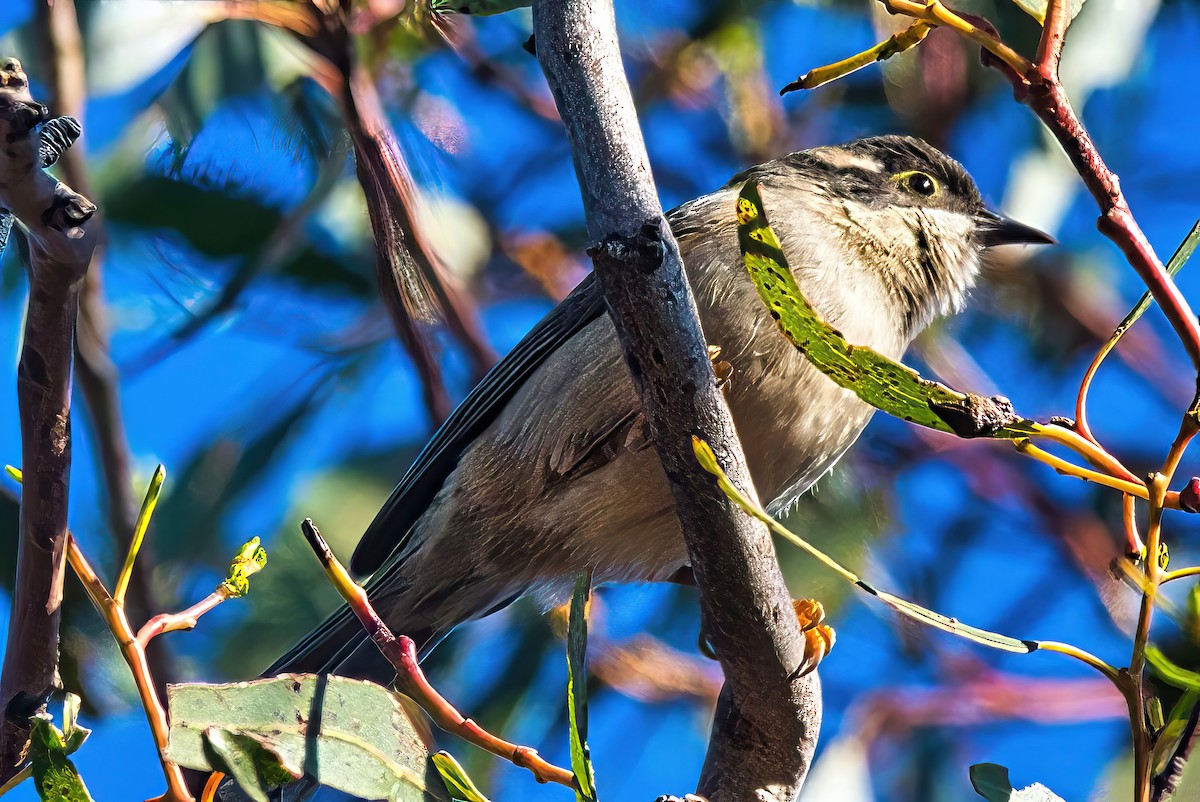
(546, 469)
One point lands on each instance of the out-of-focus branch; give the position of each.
(767, 717)
(64, 70)
(1042, 91)
(61, 246)
(409, 272)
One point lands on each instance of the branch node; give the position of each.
(644, 251)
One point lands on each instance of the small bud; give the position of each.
(1189, 497)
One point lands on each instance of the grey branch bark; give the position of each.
(767, 718)
(61, 247)
(63, 67)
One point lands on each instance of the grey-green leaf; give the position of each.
(991, 782)
(250, 760)
(581, 760)
(349, 735)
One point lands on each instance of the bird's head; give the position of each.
(908, 211)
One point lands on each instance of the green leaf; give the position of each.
(73, 734)
(1172, 731)
(251, 559)
(458, 783)
(251, 760)
(1178, 259)
(708, 461)
(54, 775)
(349, 735)
(1171, 673)
(877, 380)
(581, 759)
(991, 782)
(1037, 8)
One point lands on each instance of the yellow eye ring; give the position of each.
(918, 183)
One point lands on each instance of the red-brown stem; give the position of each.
(135, 657)
(1043, 92)
(1054, 32)
(184, 619)
(401, 652)
(1133, 541)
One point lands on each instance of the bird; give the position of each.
(546, 470)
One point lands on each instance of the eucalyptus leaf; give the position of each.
(881, 382)
(1171, 673)
(581, 759)
(1037, 8)
(458, 782)
(250, 760)
(991, 782)
(708, 461)
(347, 734)
(54, 775)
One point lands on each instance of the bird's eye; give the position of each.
(920, 183)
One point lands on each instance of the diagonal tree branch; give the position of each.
(61, 248)
(767, 716)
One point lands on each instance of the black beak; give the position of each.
(996, 230)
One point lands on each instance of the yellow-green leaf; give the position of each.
(250, 559)
(54, 775)
(1171, 673)
(458, 782)
(1037, 8)
(881, 382)
(708, 461)
(581, 760)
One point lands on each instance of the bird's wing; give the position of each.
(391, 527)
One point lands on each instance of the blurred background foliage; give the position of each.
(259, 365)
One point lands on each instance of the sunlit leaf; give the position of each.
(708, 461)
(906, 39)
(581, 760)
(54, 774)
(1178, 259)
(366, 744)
(991, 782)
(458, 783)
(1173, 729)
(877, 380)
(1037, 8)
(251, 559)
(1170, 672)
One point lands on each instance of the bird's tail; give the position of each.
(424, 605)
(341, 646)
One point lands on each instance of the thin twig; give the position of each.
(401, 652)
(184, 619)
(935, 13)
(135, 657)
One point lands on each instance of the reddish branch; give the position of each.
(1042, 91)
(401, 652)
(61, 247)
